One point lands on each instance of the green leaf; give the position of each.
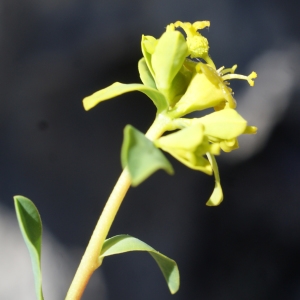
(148, 45)
(118, 88)
(126, 243)
(141, 156)
(31, 227)
(167, 59)
(145, 74)
(217, 196)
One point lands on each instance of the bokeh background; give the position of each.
(55, 52)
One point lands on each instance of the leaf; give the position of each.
(145, 74)
(148, 45)
(141, 156)
(117, 89)
(168, 57)
(126, 243)
(217, 196)
(31, 228)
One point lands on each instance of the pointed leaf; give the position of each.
(217, 196)
(118, 88)
(31, 227)
(126, 243)
(141, 156)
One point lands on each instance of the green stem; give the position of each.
(90, 260)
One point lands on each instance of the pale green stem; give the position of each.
(90, 260)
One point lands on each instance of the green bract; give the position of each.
(141, 156)
(180, 77)
(166, 61)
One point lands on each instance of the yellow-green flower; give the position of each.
(221, 127)
(179, 76)
(209, 88)
(189, 146)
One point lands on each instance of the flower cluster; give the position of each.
(180, 77)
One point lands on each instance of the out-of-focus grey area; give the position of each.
(54, 53)
(59, 265)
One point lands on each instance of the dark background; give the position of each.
(55, 52)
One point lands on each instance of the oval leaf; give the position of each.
(168, 57)
(126, 243)
(31, 228)
(141, 156)
(148, 45)
(118, 88)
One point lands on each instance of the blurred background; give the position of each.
(55, 52)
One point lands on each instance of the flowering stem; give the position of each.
(90, 260)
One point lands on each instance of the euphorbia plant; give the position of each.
(180, 77)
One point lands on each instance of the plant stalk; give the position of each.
(90, 260)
